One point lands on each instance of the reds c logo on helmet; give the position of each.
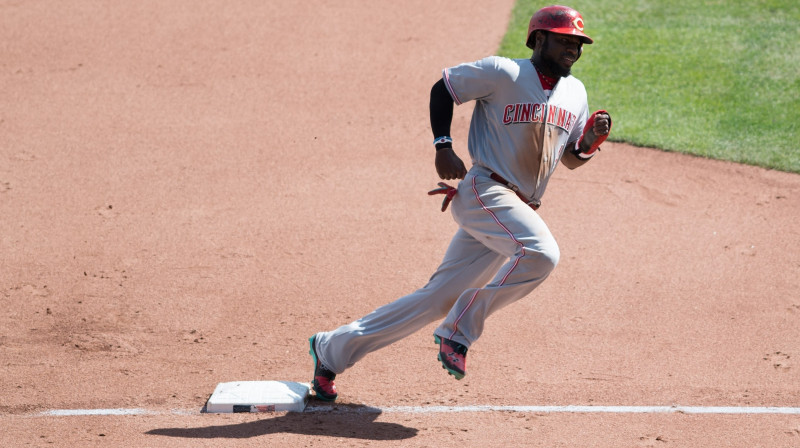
(560, 20)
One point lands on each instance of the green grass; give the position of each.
(718, 79)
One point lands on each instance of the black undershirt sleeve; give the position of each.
(441, 110)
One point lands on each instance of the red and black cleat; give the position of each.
(323, 378)
(453, 356)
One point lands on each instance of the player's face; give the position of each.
(559, 52)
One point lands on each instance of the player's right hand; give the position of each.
(449, 165)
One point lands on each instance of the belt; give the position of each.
(534, 204)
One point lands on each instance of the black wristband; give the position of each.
(443, 146)
(580, 154)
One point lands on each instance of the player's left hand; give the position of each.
(595, 132)
(602, 124)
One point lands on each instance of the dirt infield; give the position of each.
(189, 190)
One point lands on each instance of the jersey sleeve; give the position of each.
(577, 130)
(474, 80)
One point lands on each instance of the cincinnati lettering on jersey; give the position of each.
(535, 113)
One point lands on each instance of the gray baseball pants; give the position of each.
(502, 251)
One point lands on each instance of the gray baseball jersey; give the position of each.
(516, 130)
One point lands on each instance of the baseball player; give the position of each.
(529, 114)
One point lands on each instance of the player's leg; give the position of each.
(467, 264)
(495, 216)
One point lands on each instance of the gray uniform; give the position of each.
(503, 249)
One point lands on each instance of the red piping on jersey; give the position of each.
(502, 282)
(446, 78)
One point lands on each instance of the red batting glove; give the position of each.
(447, 191)
(598, 139)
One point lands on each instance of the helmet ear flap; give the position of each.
(531, 43)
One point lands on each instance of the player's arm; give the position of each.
(448, 164)
(571, 160)
(595, 133)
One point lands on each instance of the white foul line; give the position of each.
(710, 410)
(82, 412)
(597, 409)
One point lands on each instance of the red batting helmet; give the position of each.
(560, 20)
